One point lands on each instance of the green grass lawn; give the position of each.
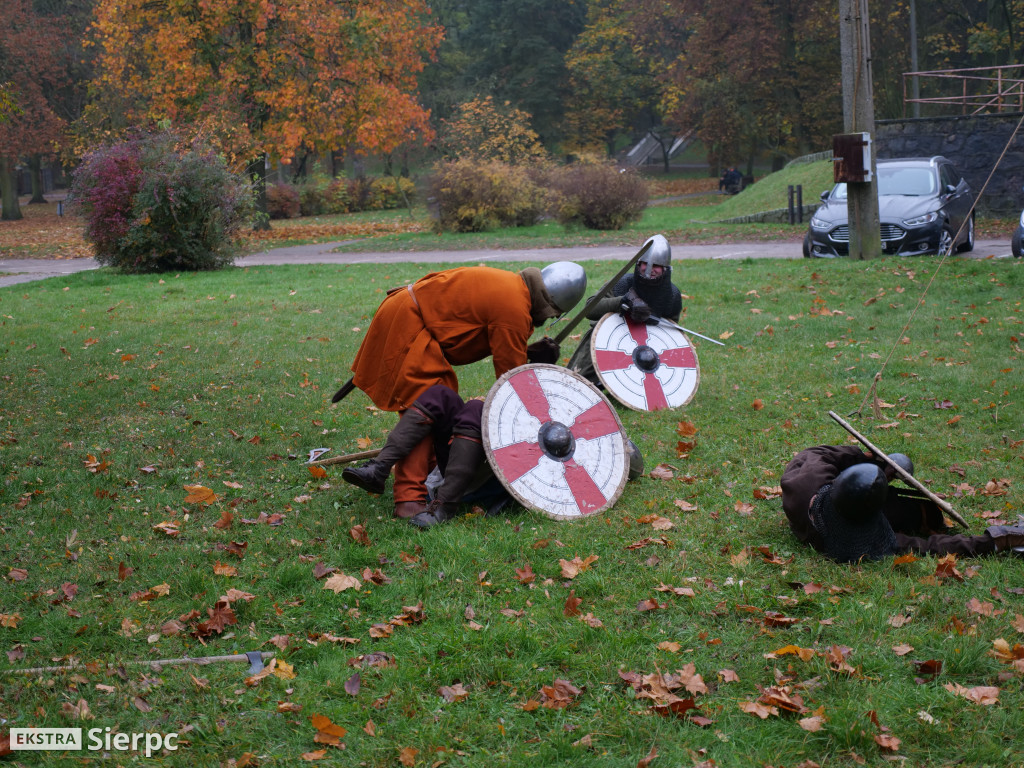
(121, 393)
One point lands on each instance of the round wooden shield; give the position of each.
(555, 442)
(644, 367)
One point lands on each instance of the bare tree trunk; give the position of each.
(357, 163)
(35, 167)
(9, 190)
(257, 171)
(665, 160)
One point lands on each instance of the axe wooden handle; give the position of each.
(904, 475)
(346, 458)
(200, 660)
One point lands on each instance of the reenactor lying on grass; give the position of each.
(448, 318)
(838, 499)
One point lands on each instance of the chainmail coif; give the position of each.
(871, 538)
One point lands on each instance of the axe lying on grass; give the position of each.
(345, 459)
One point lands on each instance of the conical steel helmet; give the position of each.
(566, 282)
(660, 253)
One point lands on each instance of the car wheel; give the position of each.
(945, 242)
(1016, 245)
(968, 244)
(807, 246)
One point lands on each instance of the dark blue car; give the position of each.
(924, 206)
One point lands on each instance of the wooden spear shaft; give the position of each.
(198, 660)
(346, 458)
(904, 475)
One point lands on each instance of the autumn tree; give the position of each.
(614, 83)
(30, 66)
(265, 76)
(483, 130)
(749, 70)
(8, 105)
(957, 34)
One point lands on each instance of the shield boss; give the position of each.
(644, 367)
(555, 442)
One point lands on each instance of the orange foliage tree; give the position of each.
(264, 76)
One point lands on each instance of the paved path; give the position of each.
(26, 270)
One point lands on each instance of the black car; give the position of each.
(923, 204)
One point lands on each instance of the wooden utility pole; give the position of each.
(859, 117)
(915, 81)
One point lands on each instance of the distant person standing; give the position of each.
(731, 182)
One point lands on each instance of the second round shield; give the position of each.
(555, 442)
(644, 367)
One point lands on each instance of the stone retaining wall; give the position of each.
(775, 216)
(974, 144)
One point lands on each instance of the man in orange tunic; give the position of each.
(454, 317)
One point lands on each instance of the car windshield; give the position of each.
(895, 180)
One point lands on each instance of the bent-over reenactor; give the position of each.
(449, 318)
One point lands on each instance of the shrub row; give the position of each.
(472, 196)
(323, 195)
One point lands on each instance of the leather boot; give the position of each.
(409, 509)
(464, 463)
(411, 428)
(1006, 536)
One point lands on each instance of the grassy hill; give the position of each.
(772, 191)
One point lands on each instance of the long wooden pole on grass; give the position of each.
(904, 475)
(198, 660)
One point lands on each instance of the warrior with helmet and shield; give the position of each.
(420, 331)
(645, 293)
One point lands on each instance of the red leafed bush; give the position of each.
(105, 188)
(155, 203)
(283, 201)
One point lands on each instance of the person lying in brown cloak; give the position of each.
(838, 500)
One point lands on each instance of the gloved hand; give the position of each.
(545, 350)
(639, 311)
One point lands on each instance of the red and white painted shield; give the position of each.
(644, 367)
(555, 442)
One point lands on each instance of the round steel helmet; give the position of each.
(566, 282)
(858, 492)
(903, 461)
(660, 253)
(636, 460)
